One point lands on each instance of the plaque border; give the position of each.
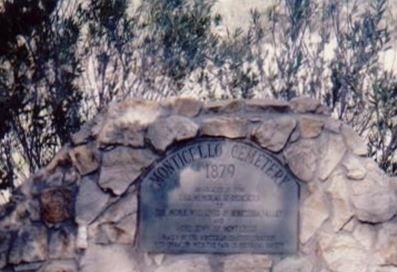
(180, 144)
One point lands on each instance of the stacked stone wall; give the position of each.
(80, 212)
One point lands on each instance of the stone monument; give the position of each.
(182, 185)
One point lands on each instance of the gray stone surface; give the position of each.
(30, 245)
(27, 267)
(313, 213)
(61, 244)
(164, 132)
(343, 253)
(304, 104)
(273, 134)
(122, 232)
(124, 206)
(302, 158)
(386, 244)
(60, 266)
(84, 135)
(255, 105)
(338, 192)
(125, 123)
(90, 201)
(122, 166)
(294, 264)
(188, 107)
(366, 235)
(186, 264)
(332, 152)
(85, 158)
(247, 263)
(310, 126)
(5, 241)
(373, 198)
(354, 168)
(108, 258)
(225, 106)
(354, 142)
(230, 127)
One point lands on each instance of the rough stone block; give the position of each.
(273, 134)
(122, 166)
(230, 127)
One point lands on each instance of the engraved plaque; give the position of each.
(218, 196)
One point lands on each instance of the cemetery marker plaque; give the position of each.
(218, 196)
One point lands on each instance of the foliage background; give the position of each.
(61, 62)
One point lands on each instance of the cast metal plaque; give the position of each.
(218, 196)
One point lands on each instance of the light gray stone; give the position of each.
(270, 105)
(186, 264)
(121, 134)
(302, 158)
(158, 258)
(71, 176)
(230, 127)
(30, 245)
(122, 232)
(163, 132)
(310, 126)
(108, 258)
(82, 237)
(331, 154)
(61, 243)
(373, 198)
(386, 244)
(61, 158)
(383, 269)
(118, 222)
(354, 141)
(126, 205)
(151, 259)
(85, 134)
(33, 208)
(126, 122)
(186, 106)
(366, 234)
(332, 125)
(354, 168)
(122, 166)
(339, 196)
(28, 267)
(60, 266)
(85, 159)
(295, 135)
(127, 229)
(91, 200)
(273, 134)
(344, 253)
(247, 263)
(313, 213)
(5, 241)
(225, 106)
(350, 225)
(294, 264)
(55, 179)
(304, 104)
